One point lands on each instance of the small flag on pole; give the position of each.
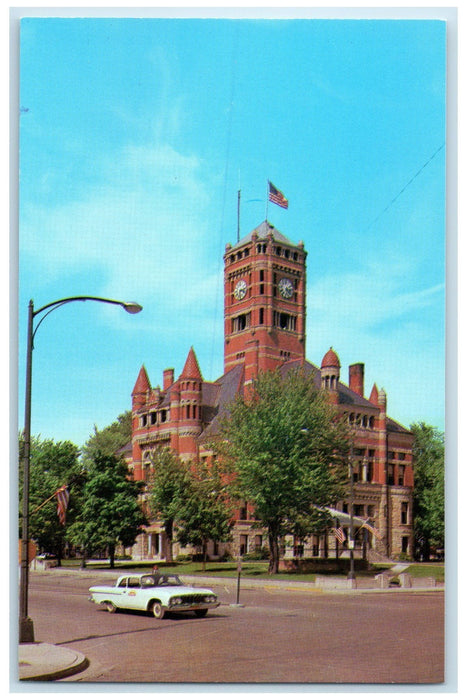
(63, 496)
(339, 534)
(373, 530)
(277, 197)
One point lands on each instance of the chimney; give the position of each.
(168, 375)
(356, 378)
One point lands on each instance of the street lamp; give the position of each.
(26, 629)
(351, 574)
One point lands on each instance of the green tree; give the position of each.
(428, 498)
(205, 513)
(110, 513)
(168, 488)
(288, 450)
(108, 440)
(52, 465)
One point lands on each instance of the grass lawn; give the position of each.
(250, 569)
(430, 569)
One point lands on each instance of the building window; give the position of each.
(258, 542)
(240, 323)
(400, 478)
(405, 545)
(286, 322)
(298, 547)
(243, 545)
(261, 316)
(391, 474)
(404, 513)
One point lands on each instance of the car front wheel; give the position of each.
(157, 610)
(110, 607)
(201, 613)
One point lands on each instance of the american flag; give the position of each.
(339, 534)
(373, 530)
(62, 496)
(277, 197)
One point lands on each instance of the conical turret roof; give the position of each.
(330, 359)
(191, 369)
(142, 383)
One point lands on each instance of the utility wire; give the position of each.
(406, 186)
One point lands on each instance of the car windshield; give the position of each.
(152, 580)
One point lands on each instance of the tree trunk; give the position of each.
(273, 537)
(112, 555)
(59, 552)
(169, 536)
(205, 552)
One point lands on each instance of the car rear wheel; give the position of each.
(110, 607)
(157, 610)
(201, 613)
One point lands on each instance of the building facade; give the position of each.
(264, 329)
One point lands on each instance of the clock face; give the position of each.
(240, 290)
(286, 288)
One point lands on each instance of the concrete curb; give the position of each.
(48, 662)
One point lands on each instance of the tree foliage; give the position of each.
(52, 465)
(110, 514)
(428, 500)
(288, 450)
(108, 440)
(205, 512)
(168, 488)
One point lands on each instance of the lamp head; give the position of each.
(132, 307)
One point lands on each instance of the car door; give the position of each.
(133, 593)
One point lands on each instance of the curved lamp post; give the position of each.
(26, 629)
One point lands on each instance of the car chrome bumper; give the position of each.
(186, 607)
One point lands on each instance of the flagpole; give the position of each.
(42, 504)
(238, 216)
(267, 198)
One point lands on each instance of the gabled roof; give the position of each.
(221, 395)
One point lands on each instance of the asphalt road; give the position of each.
(272, 637)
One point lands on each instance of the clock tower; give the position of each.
(264, 301)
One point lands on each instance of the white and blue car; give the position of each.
(155, 593)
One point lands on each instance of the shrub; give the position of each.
(257, 555)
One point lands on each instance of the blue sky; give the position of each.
(135, 136)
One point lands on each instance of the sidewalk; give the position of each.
(49, 662)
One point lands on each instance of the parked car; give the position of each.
(156, 593)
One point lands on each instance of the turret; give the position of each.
(330, 373)
(141, 390)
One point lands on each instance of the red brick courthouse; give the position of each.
(264, 328)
